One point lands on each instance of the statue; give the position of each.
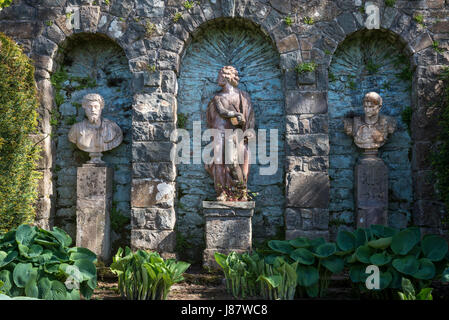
(370, 133)
(230, 109)
(95, 134)
(371, 174)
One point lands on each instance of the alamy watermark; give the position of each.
(373, 280)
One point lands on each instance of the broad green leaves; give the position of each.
(142, 275)
(36, 263)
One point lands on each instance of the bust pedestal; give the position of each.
(228, 228)
(371, 190)
(93, 206)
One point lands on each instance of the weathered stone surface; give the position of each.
(306, 219)
(147, 193)
(155, 170)
(293, 234)
(284, 6)
(307, 190)
(153, 219)
(93, 205)
(298, 102)
(287, 44)
(157, 151)
(308, 145)
(427, 213)
(228, 227)
(159, 240)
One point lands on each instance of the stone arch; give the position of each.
(214, 44)
(400, 59)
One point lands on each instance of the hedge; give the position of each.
(18, 119)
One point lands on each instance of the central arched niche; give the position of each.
(370, 61)
(92, 63)
(243, 45)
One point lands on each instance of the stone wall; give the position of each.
(154, 34)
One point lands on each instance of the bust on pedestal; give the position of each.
(94, 179)
(370, 132)
(228, 220)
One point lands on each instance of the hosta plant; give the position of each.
(144, 275)
(409, 292)
(398, 254)
(317, 261)
(37, 263)
(249, 275)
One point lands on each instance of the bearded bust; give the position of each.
(95, 134)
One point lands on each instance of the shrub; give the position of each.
(18, 154)
(144, 275)
(399, 254)
(39, 264)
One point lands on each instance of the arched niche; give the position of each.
(91, 63)
(370, 61)
(241, 44)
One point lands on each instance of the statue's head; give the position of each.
(372, 103)
(93, 105)
(228, 74)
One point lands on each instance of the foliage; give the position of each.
(440, 158)
(309, 20)
(150, 28)
(177, 16)
(118, 220)
(250, 275)
(5, 3)
(409, 292)
(288, 20)
(39, 264)
(372, 67)
(182, 120)
(189, 4)
(397, 253)
(390, 3)
(436, 47)
(18, 153)
(305, 67)
(144, 275)
(419, 18)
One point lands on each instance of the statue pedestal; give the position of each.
(228, 228)
(93, 206)
(371, 191)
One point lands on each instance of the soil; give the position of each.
(201, 285)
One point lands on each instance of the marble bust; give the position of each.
(370, 132)
(95, 134)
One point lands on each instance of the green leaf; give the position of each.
(5, 259)
(23, 273)
(313, 290)
(303, 256)
(221, 260)
(381, 231)
(317, 242)
(385, 280)
(31, 289)
(25, 234)
(79, 253)
(44, 286)
(300, 242)
(407, 287)
(325, 250)
(361, 237)
(445, 276)
(357, 273)
(273, 281)
(407, 265)
(426, 270)
(280, 246)
(307, 275)
(381, 243)
(334, 264)
(62, 236)
(58, 290)
(434, 247)
(35, 250)
(380, 259)
(6, 278)
(346, 240)
(364, 253)
(404, 241)
(425, 294)
(87, 268)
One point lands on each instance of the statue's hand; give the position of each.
(240, 119)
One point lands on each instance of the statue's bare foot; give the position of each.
(222, 197)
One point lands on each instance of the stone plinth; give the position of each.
(228, 228)
(371, 191)
(93, 206)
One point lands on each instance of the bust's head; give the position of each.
(228, 74)
(372, 103)
(93, 105)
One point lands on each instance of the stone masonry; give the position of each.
(154, 38)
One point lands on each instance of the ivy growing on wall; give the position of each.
(18, 154)
(440, 158)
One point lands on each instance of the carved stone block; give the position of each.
(93, 206)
